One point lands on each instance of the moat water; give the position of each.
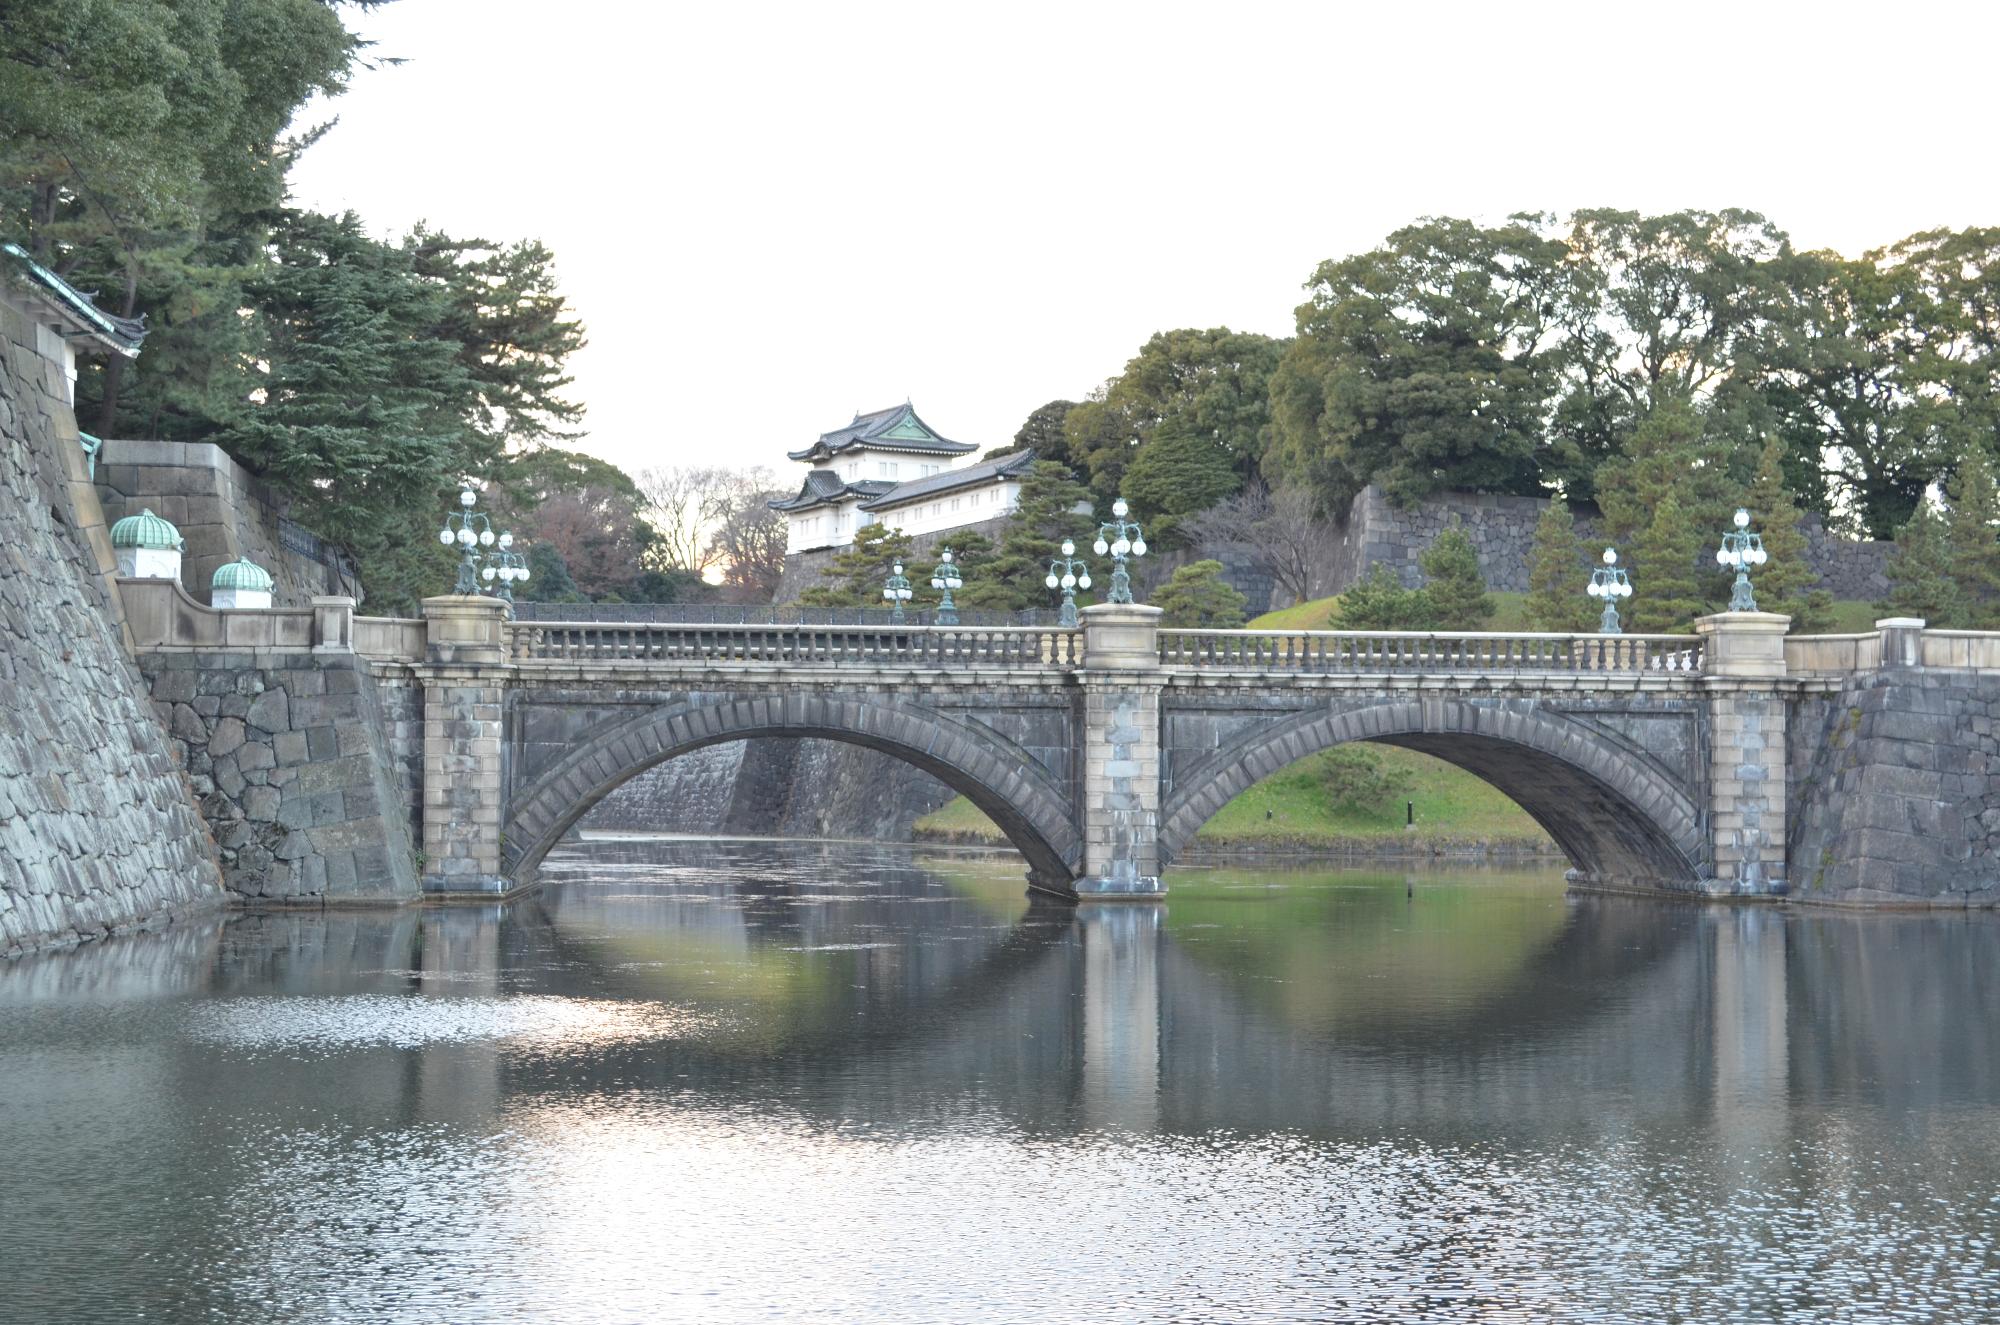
(755, 1082)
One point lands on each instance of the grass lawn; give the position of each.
(1293, 808)
(1851, 616)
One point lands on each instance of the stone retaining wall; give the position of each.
(223, 513)
(98, 832)
(1895, 782)
(1502, 530)
(289, 755)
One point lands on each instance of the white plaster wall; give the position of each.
(149, 563)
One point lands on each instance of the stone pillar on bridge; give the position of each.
(1743, 664)
(464, 677)
(1120, 810)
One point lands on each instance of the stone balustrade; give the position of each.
(1342, 651)
(709, 644)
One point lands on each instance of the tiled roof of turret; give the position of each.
(894, 429)
(823, 487)
(951, 480)
(121, 334)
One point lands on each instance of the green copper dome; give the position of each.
(145, 530)
(241, 575)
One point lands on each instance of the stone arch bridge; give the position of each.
(1653, 761)
(1701, 763)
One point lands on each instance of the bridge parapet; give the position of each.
(1374, 651)
(795, 645)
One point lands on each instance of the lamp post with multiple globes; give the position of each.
(896, 592)
(1068, 574)
(1610, 583)
(1741, 549)
(947, 579)
(1120, 537)
(482, 568)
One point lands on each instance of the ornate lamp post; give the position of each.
(947, 579)
(896, 589)
(1068, 574)
(470, 530)
(507, 567)
(1119, 537)
(1610, 582)
(1740, 550)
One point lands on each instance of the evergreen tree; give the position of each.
(1973, 533)
(1920, 579)
(1197, 597)
(1786, 582)
(1011, 581)
(1380, 602)
(1669, 597)
(1669, 452)
(856, 576)
(362, 409)
(548, 577)
(1558, 575)
(1452, 578)
(1176, 474)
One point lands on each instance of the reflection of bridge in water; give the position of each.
(902, 998)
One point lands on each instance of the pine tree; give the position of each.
(1920, 579)
(1197, 597)
(1973, 533)
(1667, 594)
(1670, 452)
(1786, 582)
(1381, 602)
(855, 578)
(1558, 574)
(1011, 580)
(1452, 578)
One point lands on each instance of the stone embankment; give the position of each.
(289, 755)
(98, 829)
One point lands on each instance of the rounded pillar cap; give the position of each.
(241, 575)
(146, 530)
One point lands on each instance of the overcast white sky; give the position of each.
(770, 216)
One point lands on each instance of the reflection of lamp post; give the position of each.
(1741, 550)
(1609, 582)
(508, 567)
(897, 590)
(1068, 574)
(1118, 538)
(458, 528)
(945, 579)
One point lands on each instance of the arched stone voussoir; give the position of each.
(1618, 817)
(1019, 796)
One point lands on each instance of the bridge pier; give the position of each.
(1744, 666)
(1119, 804)
(465, 684)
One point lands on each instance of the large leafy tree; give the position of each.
(1043, 434)
(1424, 364)
(1660, 312)
(1213, 384)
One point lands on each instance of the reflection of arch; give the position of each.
(1017, 794)
(1615, 815)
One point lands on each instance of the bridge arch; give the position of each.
(1617, 816)
(1021, 797)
